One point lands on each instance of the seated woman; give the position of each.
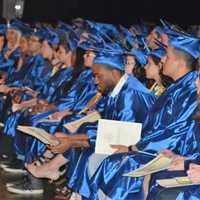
(148, 71)
(154, 72)
(75, 114)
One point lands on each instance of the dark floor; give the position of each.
(4, 195)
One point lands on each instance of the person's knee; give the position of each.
(168, 194)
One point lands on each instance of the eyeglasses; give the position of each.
(90, 54)
(130, 62)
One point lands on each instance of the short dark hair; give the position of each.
(64, 41)
(189, 60)
(79, 60)
(110, 68)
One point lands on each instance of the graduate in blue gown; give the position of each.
(11, 52)
(20, 71)
(115, 108)
(181, 166)
(167, 126)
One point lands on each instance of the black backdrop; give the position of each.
(114, 11)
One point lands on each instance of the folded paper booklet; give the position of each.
(112, 132)
(91, 117)
(176, 182)
(48, 120)
(159, 163)
(39, 133)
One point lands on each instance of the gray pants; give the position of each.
(94, 162)
(169, 194)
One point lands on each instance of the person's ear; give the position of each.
(115, 74)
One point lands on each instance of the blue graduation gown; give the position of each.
(81, 92)
(192, 154)
(61, 77)
(9, 65)
(131, 104)
(48, 93)
(18, 75)
(34, 79)
(167, 127)
(78, 96)
(35, 76)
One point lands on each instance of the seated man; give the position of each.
(124, 104)
(181, 166)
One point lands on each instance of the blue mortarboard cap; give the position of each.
(114, 47)
(86, 45)
(107, 28)
(170, 29)
(39, 33)
(14, 26)
(72, 38)
(25, 29)
(111, 59)
(159, 53)
(65, 27)
(159, 30)
(99, 43)
(188, 44)
(91, 41)
(128, 36)
(139, 54)
(112, 55)
(107, 31)
(60, 32)
(52, 37)
(141, 30)
(72, 35)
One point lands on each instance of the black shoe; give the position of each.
(17, 182)
(30, 186)
(6, 159)
(16, 167)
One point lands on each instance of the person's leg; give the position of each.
(94, 162)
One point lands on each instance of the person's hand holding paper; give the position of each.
(194, 173)
(114, 136)
(119, 148)
(177, 161)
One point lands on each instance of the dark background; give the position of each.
(114, 11)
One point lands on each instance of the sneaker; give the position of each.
(5, 160)
(30, 186)
(16, 167)
(63, 194)
(17, 182)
